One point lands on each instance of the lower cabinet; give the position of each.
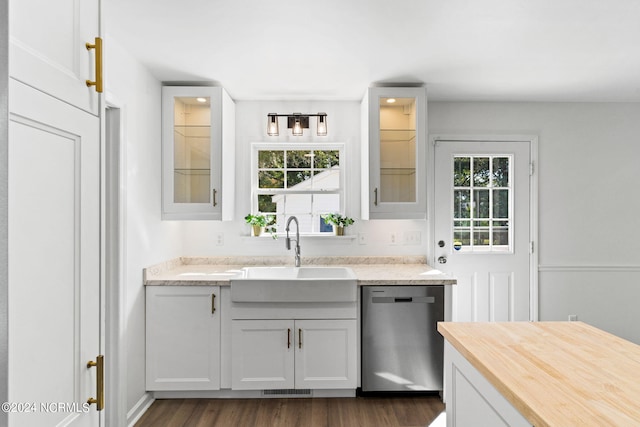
(285, 354)
(183, 338)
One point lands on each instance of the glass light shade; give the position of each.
(272, 125)
(297, 127)
(322, 125)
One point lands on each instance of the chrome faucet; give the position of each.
(297, 239)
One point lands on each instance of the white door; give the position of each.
(54, 259)
(48, 48)
(325, 354)
(262, 354)
(183, 337)
(482, 227)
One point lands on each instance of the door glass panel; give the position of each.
(482, 197)
(397, 150)
(192, 150)
(481, 171)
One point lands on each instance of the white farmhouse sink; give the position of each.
(294, 284)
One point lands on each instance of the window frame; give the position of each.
(298, 146)
(473, 249)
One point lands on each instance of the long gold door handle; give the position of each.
(99, 364)
(289, 338)
(215, 202)
(299, 338)
(375, 196)
(98, 47)
(213, 303)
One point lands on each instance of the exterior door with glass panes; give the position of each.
(481, 227)
(303, 180)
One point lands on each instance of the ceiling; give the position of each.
(495, 50)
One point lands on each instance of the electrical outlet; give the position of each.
(219, 239)
(393, 238)
(412, 237)
(573, 318)
(363, 239)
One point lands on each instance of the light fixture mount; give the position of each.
(296, 122)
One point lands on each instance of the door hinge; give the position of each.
(530, 247)
(530, 169)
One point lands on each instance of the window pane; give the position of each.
(463, 237)
(461, 223)
(481, 171)
(481, 203)
(326, 203)
(326, 179)
(481, 237)
(501, 203)
(270, 179)
(298, 204)
(462, 172)
(501, 172)
(500, 233)
(299, 159)
(266, 203)
(296, 177)
(326, 159)
(461, 203)
(272, 159)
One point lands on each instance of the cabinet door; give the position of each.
(196, 123)
(263, 354)
(325, 354)
(183, 338)
(48, 49)
(395, 152)
(54, 217)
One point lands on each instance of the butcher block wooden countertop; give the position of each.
(555, 373)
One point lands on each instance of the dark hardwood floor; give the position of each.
(316, 412)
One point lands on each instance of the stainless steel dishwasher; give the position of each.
(401, 347)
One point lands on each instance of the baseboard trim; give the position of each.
(139, 409)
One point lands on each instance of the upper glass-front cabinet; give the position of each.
(198, 132)
(394, 149)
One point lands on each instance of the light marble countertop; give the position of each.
(370, 271)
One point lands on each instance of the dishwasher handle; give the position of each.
(392, 300)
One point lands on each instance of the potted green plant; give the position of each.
(338, 222)
(260, 223)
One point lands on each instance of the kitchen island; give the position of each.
(539, 373)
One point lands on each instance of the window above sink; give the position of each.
(301, 179)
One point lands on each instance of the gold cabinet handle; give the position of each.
(99, 400)
(98, 47)
(213, 303)
(289, 338)
(215, 192)
(299, 338)
(375, 196)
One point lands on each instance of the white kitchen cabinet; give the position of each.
(48, 48)
(183, 338)
(301, 354)
(394, 122)
(198, 153)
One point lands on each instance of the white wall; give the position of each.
(148, 239)
(589, 243)
(343, 124)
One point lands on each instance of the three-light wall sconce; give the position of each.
(296, 122)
